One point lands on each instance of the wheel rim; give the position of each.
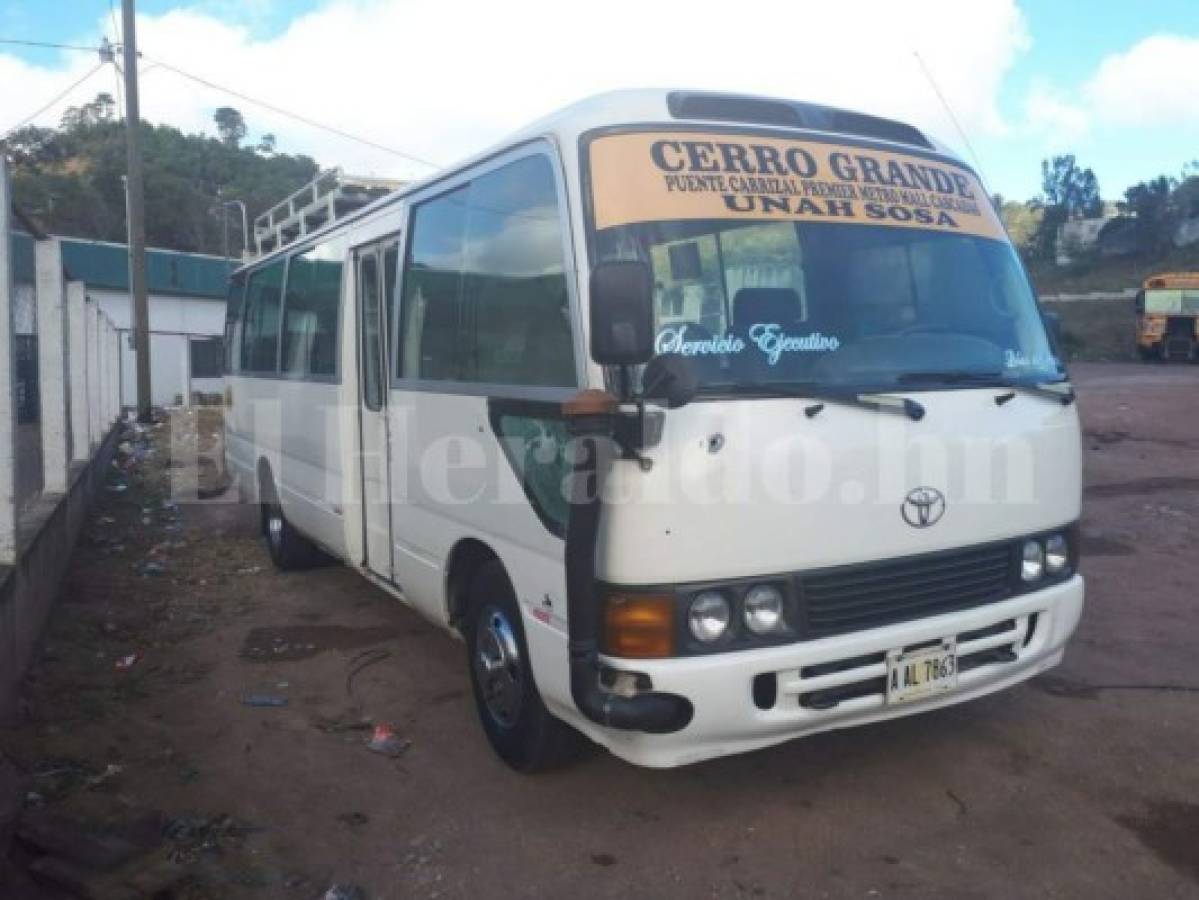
(498, 667)
(274, 526)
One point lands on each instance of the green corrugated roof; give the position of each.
(107, 266)
(167, 272)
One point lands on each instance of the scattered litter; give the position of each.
(385, 741)
(118, 487)
(248, 570)
(194, 835)
(151, 567)
(106, 520)
(110, 772)
(345, 892)
(125, 663)
(264, 700)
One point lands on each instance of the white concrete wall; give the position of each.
(173, 321)
(53, 386)
(186, 315)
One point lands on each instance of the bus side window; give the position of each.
(515, 279)
(233, 331)
(430, 345)
(368, 299)
(485, 293)
(391, 265)
(260, 320)
(311, 312)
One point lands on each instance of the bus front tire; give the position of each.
(518, 726)
(289, 549)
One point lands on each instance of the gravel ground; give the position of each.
(1082, 783)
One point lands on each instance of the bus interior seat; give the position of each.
(765, 305)
(548, 352)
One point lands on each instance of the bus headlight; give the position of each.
(708, 616)
(1057, 554)
(764, 609)
(1032, 561)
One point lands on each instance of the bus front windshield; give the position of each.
(818, 275)
(854, 305)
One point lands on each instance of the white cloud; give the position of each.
(1062, 122)
(1155, 82)
(444, 79)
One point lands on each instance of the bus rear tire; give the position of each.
(519, 728)
(290, 550)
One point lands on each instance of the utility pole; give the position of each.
(137, 214)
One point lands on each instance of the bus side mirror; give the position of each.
(669, 379)
(622, 313)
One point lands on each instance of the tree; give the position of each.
(1156, 216)
(230, 126)
(100, 110)
(1067, 192)
(1074, 189)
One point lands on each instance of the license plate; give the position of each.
(921, 673)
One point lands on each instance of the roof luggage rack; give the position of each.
(325, 199)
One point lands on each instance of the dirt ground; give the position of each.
(1082, 783)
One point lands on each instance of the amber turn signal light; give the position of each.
(639, 626)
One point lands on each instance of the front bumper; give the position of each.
(720, 687)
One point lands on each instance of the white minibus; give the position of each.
(706, 421)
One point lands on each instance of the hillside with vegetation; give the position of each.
(69, 179)
(1138, 238)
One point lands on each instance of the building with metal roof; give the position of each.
(186, 294)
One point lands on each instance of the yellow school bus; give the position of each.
(1168, 316)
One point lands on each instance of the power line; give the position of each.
(47, 44)
(288, 113)
(299, 117)
(57, 98)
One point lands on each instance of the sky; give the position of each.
(1116, 83)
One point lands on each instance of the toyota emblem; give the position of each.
(923, 506)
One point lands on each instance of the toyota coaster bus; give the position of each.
(706, 421)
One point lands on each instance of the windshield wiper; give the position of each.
(1061, 391)
(812, 391)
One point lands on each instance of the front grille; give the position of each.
(854, 598)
